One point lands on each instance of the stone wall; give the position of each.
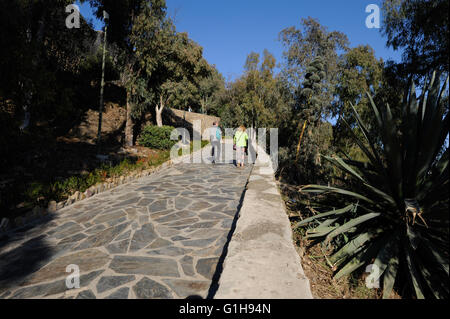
(261, 261)
(180, 118)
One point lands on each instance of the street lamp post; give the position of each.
(102, 85)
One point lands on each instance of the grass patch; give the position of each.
(61, 190)
(40, 193)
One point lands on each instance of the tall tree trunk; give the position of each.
(159, 110)
(204, 103)
(129, 124)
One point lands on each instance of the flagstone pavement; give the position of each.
(162, 236)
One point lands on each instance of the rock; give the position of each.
(60, 205)
(186, 288)
(182, 202)
(199, 242)
(95, 229)
(4, 224)
(53, 288)
(200, 206)
(110, 282)
(176, 216)
(120, 247)
(187, 265)
(102, 238)
(151, 266)
(76, 196)
(145, 202)
(157, 206)
(227, 223)
(150, 289)
(87, 260)
(125, 235)
(52, 206)
(121, 293)
(87, 294)
(206, 267)
(170, 251)
(73, 238)
(109, 217)
(143, 237)
(65, 230)
(158, 243)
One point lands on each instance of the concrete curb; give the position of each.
(262, 262)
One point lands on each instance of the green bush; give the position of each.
(157, 137)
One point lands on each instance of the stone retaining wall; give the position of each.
(181, 116)
(261, 261)
(37, 212)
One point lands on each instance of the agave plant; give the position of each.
(396, 215)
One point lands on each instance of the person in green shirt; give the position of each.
(240, 140)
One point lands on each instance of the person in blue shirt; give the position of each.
(215, 137)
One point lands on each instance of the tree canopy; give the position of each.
(420, 29)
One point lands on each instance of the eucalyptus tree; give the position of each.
(303, 46)
(173, 63)
(124, 27)
(420, 29)
(40, 59)
(211, 92)
(257, 99)
(360, 72)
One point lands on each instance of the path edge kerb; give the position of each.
(262, 262)
(39, 213)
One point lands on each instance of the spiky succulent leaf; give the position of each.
(400, 195)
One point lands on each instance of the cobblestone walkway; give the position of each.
(157, 237)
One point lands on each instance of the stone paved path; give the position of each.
(158, 237)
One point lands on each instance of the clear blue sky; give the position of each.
(229, 30)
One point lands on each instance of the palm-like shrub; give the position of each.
(396, 215)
